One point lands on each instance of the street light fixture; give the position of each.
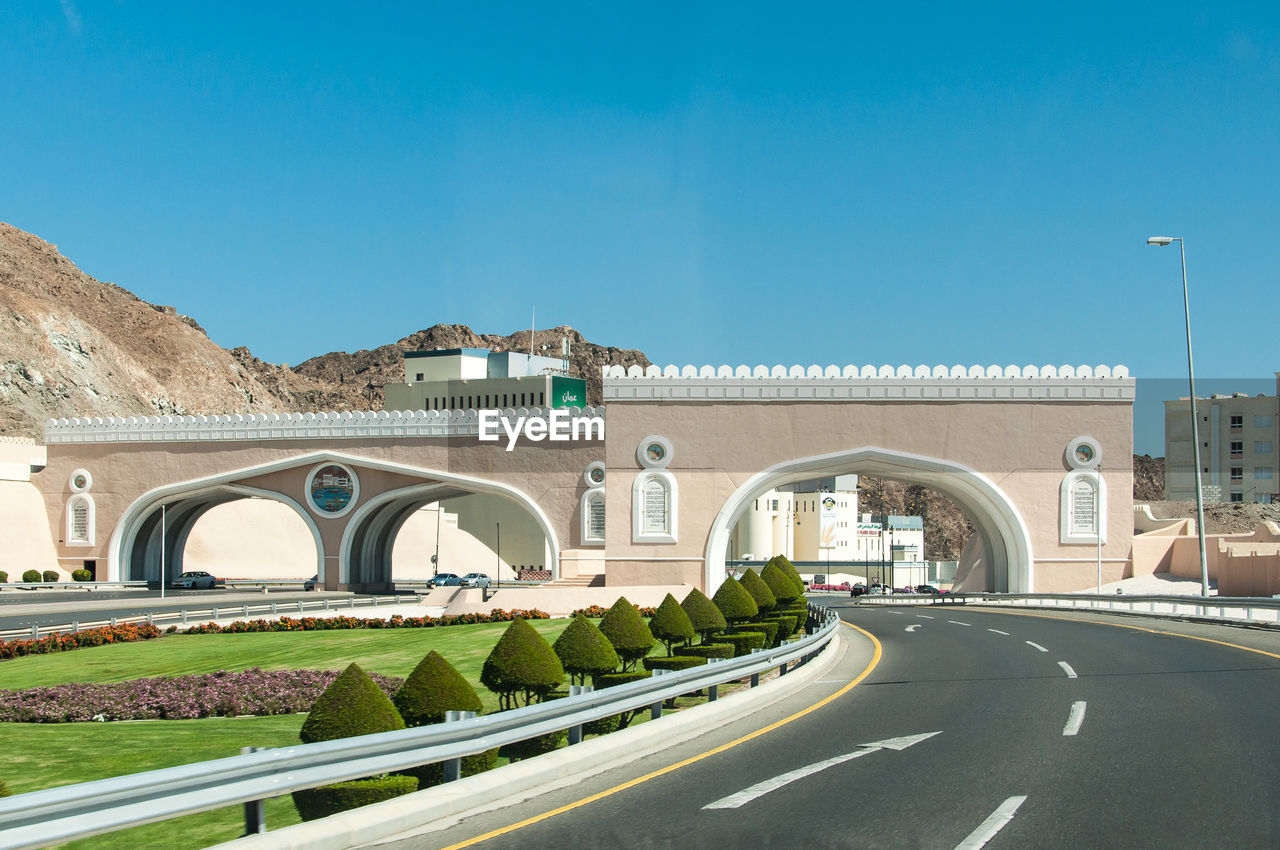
(1162, 241)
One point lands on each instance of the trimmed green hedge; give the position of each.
(608, 680)
(710, 650)
(760, 592)
(704, 616)
(673, 662)
(734, 602)
(767, 627)
(31, 577)
(584, 651)
(352, 705)
(786, 626)
(315, 803)
(628, 632)
(780, 584)
(743, 642)
(81, 575)
(671, 624)
(522, 669)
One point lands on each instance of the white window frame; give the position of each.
(668, 482)
(91, 520)
(589, 539)
(1088, 478)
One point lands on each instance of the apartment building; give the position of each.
(1239, 435)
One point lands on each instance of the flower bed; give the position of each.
(319, 624)
(221, 694)
(65, 641)
(595, 612)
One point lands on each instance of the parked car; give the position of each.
(475, 580)
(926, 588)
(197, 579)
(313, 583)
(444, 580)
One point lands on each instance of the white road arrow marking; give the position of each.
(912, 628)
(1075, 719)
(1066, 668)
(994, 823)
(734, 801)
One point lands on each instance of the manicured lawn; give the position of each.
(45, 755)
(393, 652)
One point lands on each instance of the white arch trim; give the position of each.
(127, 528)
(131, 520)
(998, 520)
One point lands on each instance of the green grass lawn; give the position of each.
(393, 652)
(47, 755)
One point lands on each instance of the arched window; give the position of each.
(1082, 507)
(654, 508)
(81, 520)
(593, 516)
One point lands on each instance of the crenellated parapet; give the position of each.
(875, 383)
(285, 426)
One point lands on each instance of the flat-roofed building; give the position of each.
(1238, 438)
(476, 378)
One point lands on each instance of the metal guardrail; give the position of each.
(68, 585)
(206, 613)
(54, 815)
(1252, 610)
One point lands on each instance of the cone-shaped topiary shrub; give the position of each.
(584, 651)
(780, 585)
(522, 668)
(433, 688)
(703, 614)
(627, 631)
(352, 705)
(670, 624)
(760, 592)
(734, 602)
(781, 562)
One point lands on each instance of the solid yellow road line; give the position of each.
(875, 659)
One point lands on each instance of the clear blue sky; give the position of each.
(711, 183)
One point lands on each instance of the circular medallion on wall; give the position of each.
(654, 452)
(594, 474)
(332, 489)
(1083, 453)
(81, 480)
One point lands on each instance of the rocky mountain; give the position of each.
(71, 345)
(1148, 478)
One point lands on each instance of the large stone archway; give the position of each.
(998, 523)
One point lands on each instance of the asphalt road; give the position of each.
(1042, 731)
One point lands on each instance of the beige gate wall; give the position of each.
(725, 426)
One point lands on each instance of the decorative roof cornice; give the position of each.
(868, 383)
(283, 426)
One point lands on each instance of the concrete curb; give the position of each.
(444, 805)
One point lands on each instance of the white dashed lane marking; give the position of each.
(957, 622)
(1035, 646)
(1066, 668)
(1074, 719)
(997, 631)
(994, 823)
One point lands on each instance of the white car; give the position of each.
(475, 580)
(197, 579)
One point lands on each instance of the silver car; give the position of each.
(475, 580)
(197, 579)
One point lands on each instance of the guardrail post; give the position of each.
(326, 605)
(782, 670)
(453, 767)
(150, 618)
(115, 621)
(575, 732)
(255, 814)
(213, 613)
(246, 610)
(755, 680)
(713, 692)
(75, 626)
(301, 610)
(35, 632)
(273, 609)
(184, 616)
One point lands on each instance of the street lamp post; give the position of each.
(1195, 417)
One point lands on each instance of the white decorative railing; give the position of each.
(283, 426)
(878, 383)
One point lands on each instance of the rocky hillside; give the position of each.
(71, 345)
(360, 376)
(74, 346)
(1148, 478)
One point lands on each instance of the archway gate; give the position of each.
(1016, 448)
(1032, 455)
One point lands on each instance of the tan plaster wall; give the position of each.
(549, 474)
(1019, 446)
(27, 545)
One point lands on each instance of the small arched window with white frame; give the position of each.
(81, 520)
(654, 512)
(593, 517)
(1082, 507)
